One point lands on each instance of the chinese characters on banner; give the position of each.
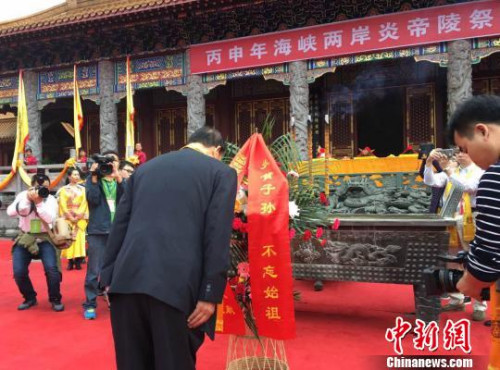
(268, 240)
(419, 27)
(456, 335)
(230, 318)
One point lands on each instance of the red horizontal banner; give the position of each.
(418, 27)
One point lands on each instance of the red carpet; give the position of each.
(342, 327)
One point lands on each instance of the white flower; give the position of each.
(293, 174)
(293, 209)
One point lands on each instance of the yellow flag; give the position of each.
(130, 124)
(77, 113)
(22, 129)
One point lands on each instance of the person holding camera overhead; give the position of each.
(104, 188)
(73, 207)
(36, 209)
(459, 169)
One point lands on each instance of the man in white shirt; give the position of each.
(34, 242)
(459, 170)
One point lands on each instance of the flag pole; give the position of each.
(130, 119)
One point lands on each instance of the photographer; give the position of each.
(33, 242)
(475, 129)
(458, 170)
(104, 188)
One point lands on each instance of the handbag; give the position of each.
(60, 234)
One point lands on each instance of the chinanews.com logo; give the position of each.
(455, 335)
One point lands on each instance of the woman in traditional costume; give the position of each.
(74, 208)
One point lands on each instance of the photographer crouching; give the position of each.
(475, 129)
(104, 188)
(36, 209)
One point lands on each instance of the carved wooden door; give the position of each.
(495, 86)
(251, 115)
(178, 133)
(480, 86)
(122, 117)
(92, 134)
(210, 115)
(244, 121)
(279, 110)
(171, 129)
(420, 115)
(341, 124)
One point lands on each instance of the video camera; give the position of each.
(40, 178)
(105, 164)
(445, 280)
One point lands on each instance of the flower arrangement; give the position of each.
(308, 218)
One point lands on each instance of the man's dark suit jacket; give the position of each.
(172, 229)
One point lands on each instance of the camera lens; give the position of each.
(43, 192)
(448, 280)
(105, 169)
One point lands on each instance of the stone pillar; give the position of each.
(107, 109)
(34, 114)
(459, 73)
(195, 101)
(299, 105)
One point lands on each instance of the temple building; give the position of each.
(343, 75)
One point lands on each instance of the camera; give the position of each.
(42, 191)
(449, 153)
(105, 164)
(440, 281)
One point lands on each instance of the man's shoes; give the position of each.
(478, 315)
(27, 304)
(453, 307)
(57, 306)
(89, 314)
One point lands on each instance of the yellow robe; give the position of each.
(72, 201)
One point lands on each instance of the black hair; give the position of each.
(28, 150)
(108, 152)
(208, 137)
(70, 171)
(39, 178)
(81, 150)
(124, 163)
(478, 109)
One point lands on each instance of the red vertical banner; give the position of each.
(268, 239)
(230, 318)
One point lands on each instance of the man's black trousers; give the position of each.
(149, 334)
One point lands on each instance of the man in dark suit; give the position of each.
(167, 255)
